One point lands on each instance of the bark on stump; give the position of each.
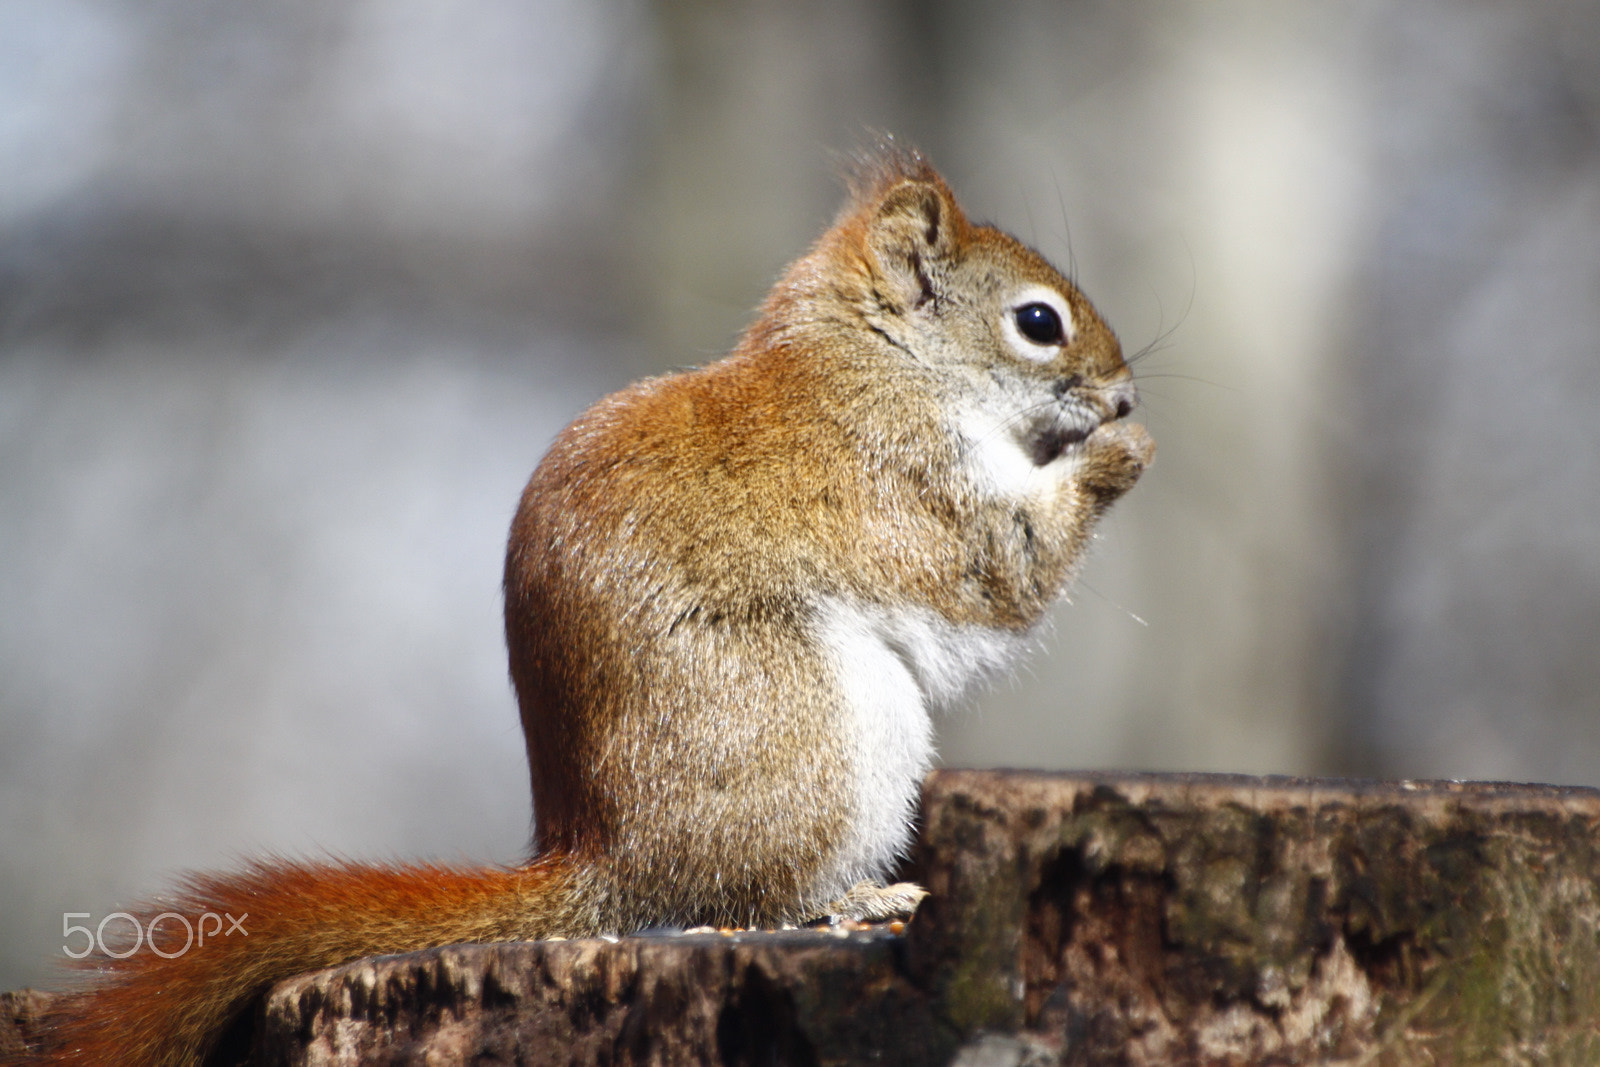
(1115, 919)
(1076, 919)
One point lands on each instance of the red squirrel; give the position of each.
(732, 597)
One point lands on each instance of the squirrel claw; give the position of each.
(871, 902)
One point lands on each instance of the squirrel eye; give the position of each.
(1040, 324)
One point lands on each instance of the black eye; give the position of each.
(1040, 324)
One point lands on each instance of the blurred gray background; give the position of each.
(294, 294)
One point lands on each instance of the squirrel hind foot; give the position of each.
(873, 902)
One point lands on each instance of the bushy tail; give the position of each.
(211, 950)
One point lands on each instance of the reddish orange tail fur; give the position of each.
(168, 1003)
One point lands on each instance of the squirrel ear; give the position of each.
(911, 232)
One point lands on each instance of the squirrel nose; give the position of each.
(1121, 397)
(1116, 400)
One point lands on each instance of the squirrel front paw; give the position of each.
(1114, 457)
(872, 902)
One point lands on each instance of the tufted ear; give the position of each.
(911, 236)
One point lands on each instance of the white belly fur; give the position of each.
(894, 666)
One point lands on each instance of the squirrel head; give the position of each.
(1025, 367)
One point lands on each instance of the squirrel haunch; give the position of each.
(733, 596)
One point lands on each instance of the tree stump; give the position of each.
(1074, 919)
